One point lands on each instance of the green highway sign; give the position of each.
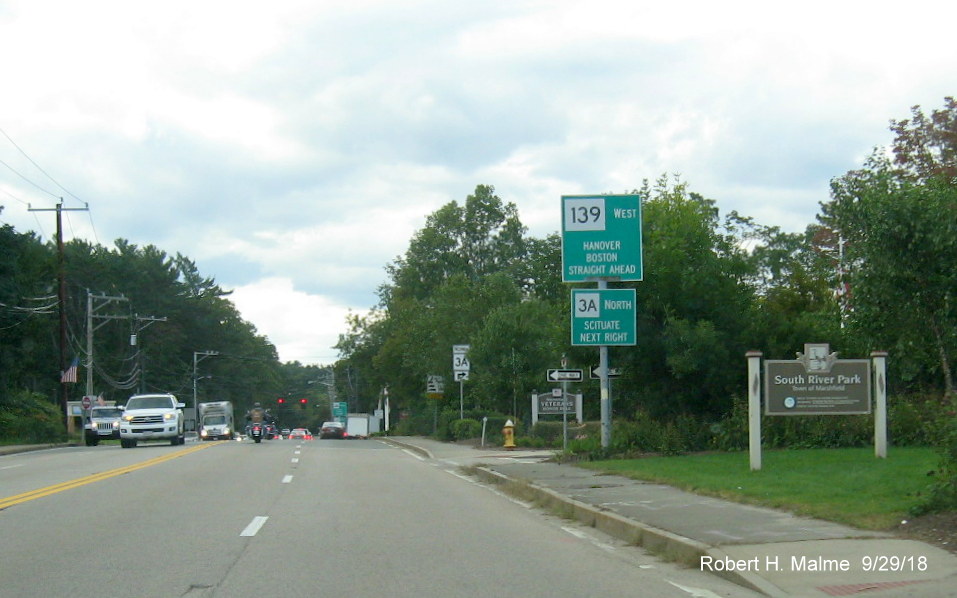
(340, 410)
(603, 317)
(601, 238)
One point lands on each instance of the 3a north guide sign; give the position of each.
(603, 317)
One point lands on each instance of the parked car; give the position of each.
(332, 430)
(300, 434)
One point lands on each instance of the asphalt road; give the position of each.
(288, 518)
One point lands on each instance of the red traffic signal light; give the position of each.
(303, 402)
(280, 400)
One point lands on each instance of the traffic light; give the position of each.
(303, 403)
(281, 400)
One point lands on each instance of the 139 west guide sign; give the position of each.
(601, 238)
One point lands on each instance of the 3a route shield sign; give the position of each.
(601, 238)
(603, 317)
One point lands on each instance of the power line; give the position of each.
(38, 167)
(5, 192)
(14, 171)
(50, 193)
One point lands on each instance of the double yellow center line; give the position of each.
(96, 477)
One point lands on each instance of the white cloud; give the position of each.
(292, 149)
(303, 327)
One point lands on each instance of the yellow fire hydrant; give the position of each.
(509, 432)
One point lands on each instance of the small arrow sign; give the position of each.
(612, 373)
(565, 376)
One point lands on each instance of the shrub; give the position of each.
(943, 492)
(31, 418)
(465, 429)
(549, 432)
(911, 421)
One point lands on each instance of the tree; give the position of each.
(517, 343)
(478, 238)
(27, 315)
(926, 147)
(540, 272)
(901, 240)
(693, 308)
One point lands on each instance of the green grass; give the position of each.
(848, 486)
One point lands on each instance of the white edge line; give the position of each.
(695, 592)
(408, 452)
(587, 538)
(254, 526)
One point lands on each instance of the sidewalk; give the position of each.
(769, 551)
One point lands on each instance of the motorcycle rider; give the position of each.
(256, 415)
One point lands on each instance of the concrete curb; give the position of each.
(405, 445)
(668, 545)
(25, 448)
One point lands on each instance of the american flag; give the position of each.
(70, 374)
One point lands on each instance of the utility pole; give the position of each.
(134, 340)
(90, 329)
(61, 293)
(197, 357)
(137, 376)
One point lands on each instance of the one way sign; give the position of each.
(612, 372)
(565, 376)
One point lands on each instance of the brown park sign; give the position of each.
(825, 386)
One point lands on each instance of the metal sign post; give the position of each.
(754, 408)
(604, 317)
(601, 241)
(460, 371)
(880, 403)
(564, 407)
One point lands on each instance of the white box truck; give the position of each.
(216, 420)
(361, 425)
(357, 425)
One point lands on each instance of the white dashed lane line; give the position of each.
(254, 526)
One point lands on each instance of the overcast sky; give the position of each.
(292, 148)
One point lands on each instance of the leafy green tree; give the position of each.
(798, 286)
(516, 344)
(925, 147)
(28, 320)
(478, 238)
(901, 244)
(693, 305)
(468, 259)
(541, 272)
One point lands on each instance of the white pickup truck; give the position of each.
(152, 417)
